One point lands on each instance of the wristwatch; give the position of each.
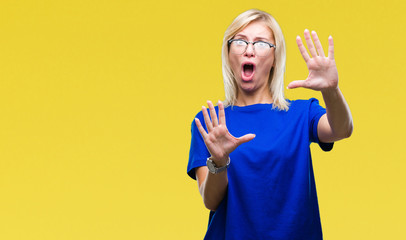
(213, 168)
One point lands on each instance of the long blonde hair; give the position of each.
(275, 82)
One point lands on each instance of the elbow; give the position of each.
(206, 201)
(347, 133)
(211, 208)
(342, 134)
(349, 130)
(210, 205)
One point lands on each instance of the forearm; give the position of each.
(213, 189)
(338, 113)
(220, 143)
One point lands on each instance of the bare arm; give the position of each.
(337, 123)
(220, 143)
(212, 187)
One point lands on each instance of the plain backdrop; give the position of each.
(97, 99)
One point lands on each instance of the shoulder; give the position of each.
(199, 115)
(302, 104)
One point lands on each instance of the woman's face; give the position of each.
(250, 70)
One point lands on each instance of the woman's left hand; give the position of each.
(323, 73)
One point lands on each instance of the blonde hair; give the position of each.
(275, 82)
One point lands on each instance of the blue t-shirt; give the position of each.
(271, 191)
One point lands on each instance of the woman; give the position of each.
(265, 188)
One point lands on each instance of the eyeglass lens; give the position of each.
(260, 48)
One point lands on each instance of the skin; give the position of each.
(336, 124)
(255, 90)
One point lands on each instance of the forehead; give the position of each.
(256, 29)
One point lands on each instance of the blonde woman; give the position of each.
(261, 185)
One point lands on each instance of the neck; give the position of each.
(247, 98)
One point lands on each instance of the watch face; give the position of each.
(210, 166)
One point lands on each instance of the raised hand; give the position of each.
(219, 142)
(323, 73)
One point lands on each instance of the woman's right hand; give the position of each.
(219, 142)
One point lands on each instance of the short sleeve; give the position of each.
(315, 113)
(198, 153)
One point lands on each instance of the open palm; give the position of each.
(219, 142)
(323, 73)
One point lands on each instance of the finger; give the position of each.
(207, 121)
(213, 114)
(309, 43)
(318, 44)
(330, 47)
(302, 49)
(222, 115)
(200, 128)
(245, 138)
(297, 83)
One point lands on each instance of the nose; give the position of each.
(250, 50)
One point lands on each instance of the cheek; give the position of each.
(235, 66)
(268, 65)
(265, 68)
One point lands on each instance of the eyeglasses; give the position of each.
(239, 46)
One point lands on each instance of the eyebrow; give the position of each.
(256, 38)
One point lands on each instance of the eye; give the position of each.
(261, 44)
(239, 42)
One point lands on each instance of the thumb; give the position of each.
(245, 138)
(296, 84)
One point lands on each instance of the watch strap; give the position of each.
(213, 168)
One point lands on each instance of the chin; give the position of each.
(247, 89)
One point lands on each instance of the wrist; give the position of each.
(214, 168)
(330, 91)
(220, 161)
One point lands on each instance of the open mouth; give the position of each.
(248, 69)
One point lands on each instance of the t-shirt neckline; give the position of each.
(253, 107)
